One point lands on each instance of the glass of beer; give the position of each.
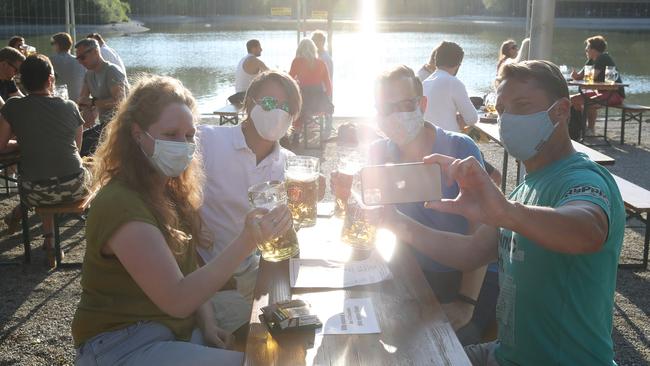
(490, 103)
(611, 75)
(358, 230)
(301, 176)
(350, 161)
(61, 91)
(269, 195)
(588, 74)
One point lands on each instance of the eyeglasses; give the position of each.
(82, 56)
(270, 103)
(404, 105)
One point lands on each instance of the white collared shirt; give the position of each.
(446, 95)
(230, 167)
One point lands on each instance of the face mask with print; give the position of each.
(170, 158)
(402, 127)
(270, 125)
(524, 135)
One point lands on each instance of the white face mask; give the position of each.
(402, 127)
(170, 158)
(271, 125)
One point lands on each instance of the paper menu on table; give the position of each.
(319, 273)
(358, 317)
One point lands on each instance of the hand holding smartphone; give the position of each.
(401, 183)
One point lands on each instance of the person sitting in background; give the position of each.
(108, 53)
(510, 53)
(429, 68)
(103, 89)
(10, 61)
(48, 130)
(400, 105)
(66, 68)
(599, 58)
(234, 159)
(17, 42)
(143, 299)
(448, 105)
(249, 67)
(315, 84)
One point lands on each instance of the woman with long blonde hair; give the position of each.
(315, 85)
(144, 300)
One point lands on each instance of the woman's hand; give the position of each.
(262, 225)
(217, 337)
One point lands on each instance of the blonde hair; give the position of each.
(307, 49)
(120, 157)
(284, 80)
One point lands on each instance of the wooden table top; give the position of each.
(492, 130)
(596, 85)
(414, 328)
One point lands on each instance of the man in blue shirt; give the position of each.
(400, 106)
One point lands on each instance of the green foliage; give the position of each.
(102, 11)
(87, 11)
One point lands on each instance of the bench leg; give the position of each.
(25, 224)
(57, 240)
(646, 241)
(640, 123)
(623, 127)
(606, 119)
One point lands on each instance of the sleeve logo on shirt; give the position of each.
(586, 191)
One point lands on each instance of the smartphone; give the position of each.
(400, 183)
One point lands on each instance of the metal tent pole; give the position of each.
(541, 31)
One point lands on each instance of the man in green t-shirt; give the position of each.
(557, 237)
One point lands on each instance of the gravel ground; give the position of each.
(38, 305)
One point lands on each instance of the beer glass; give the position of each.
(350, 161)
(490, 102)
(61, 91)
(269, 195)
(301, 176)
(358, 230)
(588, 74)
(611, 75)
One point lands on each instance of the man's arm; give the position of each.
(578, 226)
(78, 138)
(118, 92)
(5, 133)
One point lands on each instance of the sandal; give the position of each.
(13, 220)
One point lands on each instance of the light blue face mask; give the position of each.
(524, 135)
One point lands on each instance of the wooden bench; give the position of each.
(631, 112)
(228, 114)
(637, 202)
(76, 208)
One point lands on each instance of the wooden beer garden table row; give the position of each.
(491, 129)
(414, 328)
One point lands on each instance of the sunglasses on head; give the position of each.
(270, 103)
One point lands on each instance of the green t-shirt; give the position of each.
(110, 298)
(46, 128)
(555, 308)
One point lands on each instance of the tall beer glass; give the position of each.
(269, 195)
(301, 177)
(358, 230)
(350, 161)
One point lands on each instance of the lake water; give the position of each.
(205, 60)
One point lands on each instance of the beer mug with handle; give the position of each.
(301, 176)
(350, 161)
(359, 230)
(269, 195)
(611, 75)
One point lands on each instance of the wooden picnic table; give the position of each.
(601, 87)
(414, 328)
(492, 131)
(229, 114)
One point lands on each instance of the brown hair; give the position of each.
(284, 80)
(120, 157)
(34, 72)
(97, 37)
(545, 74)
(398, 73)
(598, 43)
(63, 40)
(13, 41)
(10, 54)
(449, 54)
(432, 59)
(503, 52)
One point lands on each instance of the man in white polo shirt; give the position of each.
(234, 159)
(448, 105)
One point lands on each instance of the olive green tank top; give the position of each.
(110, 298)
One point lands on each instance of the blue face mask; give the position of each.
(523, 135)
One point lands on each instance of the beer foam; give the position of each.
(301, 175)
